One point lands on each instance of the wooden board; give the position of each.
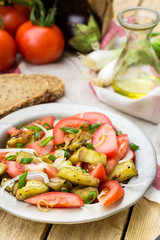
(111, 228)
(13, 228)
(145, 221)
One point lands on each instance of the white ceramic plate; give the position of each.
(145, 164)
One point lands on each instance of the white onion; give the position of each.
(128, 157)
(96, 60)
(133, 185)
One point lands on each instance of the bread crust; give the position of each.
(19, 91)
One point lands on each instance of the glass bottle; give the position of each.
(137, 71)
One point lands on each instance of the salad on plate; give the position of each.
(67, 163)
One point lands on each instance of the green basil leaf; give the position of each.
(19, 145)
(83, 126)
(69, 130)
(66, 153)
(119, 133)
(51, 157)
(134, 147)
(90, 146)
(45, 141)
(83, 170)
(11, 157)
(22, 180)
(91, 197)
(94, 127)
(22, 125)
(47, 126)
(34, 128)
(26, 160)
(36, 136)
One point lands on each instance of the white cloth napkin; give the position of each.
(78, 91)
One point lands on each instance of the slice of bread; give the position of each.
(19, 91)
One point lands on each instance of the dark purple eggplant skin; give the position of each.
(69, 13)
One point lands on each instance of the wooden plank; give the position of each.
(144, 222)
(2, 214)
(14, 228)
(109, 228)
(119, 5)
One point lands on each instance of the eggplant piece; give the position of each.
(80, 139)
(83, 192)
(76, 175)
(123, 171)
(58, 184)
(2, 168)
(32, 188)
(10, 187)
(74, 157)
(22, 137)
(91, 156)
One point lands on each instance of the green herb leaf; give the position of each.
(119, 133)
(36, 136)
(22, 125)
(83, 170)
(22, 180)
(19, 145)
(83, 126)
(94, 127)
(64, 189)
(91, 197)
(45, 141)
(47, 126)
(11, 157)
(51, 157)
(26, 160)
(34, 128)
(66, 153)
(69, 130)
(134, 147)
(90, 146)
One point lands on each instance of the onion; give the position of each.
(128, 156)
(133, 185)
(40, 126)
(96, 60)
(6, 150)
(31, 175)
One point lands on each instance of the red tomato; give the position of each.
(57, 199)
(41, 150)
(94, 117)
(13, 130)
(110, 192)
(111, 164)
(122, 142)
(14, 168)
(105, 141)
(13, 17)
(99, 172)
(49, 120)
(38, 44)
(66, 122)
(8, 50)
(43, 167)
(79, 164)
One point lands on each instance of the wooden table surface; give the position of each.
(140, 222)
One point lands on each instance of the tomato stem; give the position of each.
(2, 22)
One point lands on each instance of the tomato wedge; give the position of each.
(73, 122)
(111, 164)
(43, 167)
(105, 141)
(57, 199)
(49, 120)
(99, 172)
(94, 117)
(14, 168)
(13, 130)
(110, 192)
(41, 150)
(122, 142)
